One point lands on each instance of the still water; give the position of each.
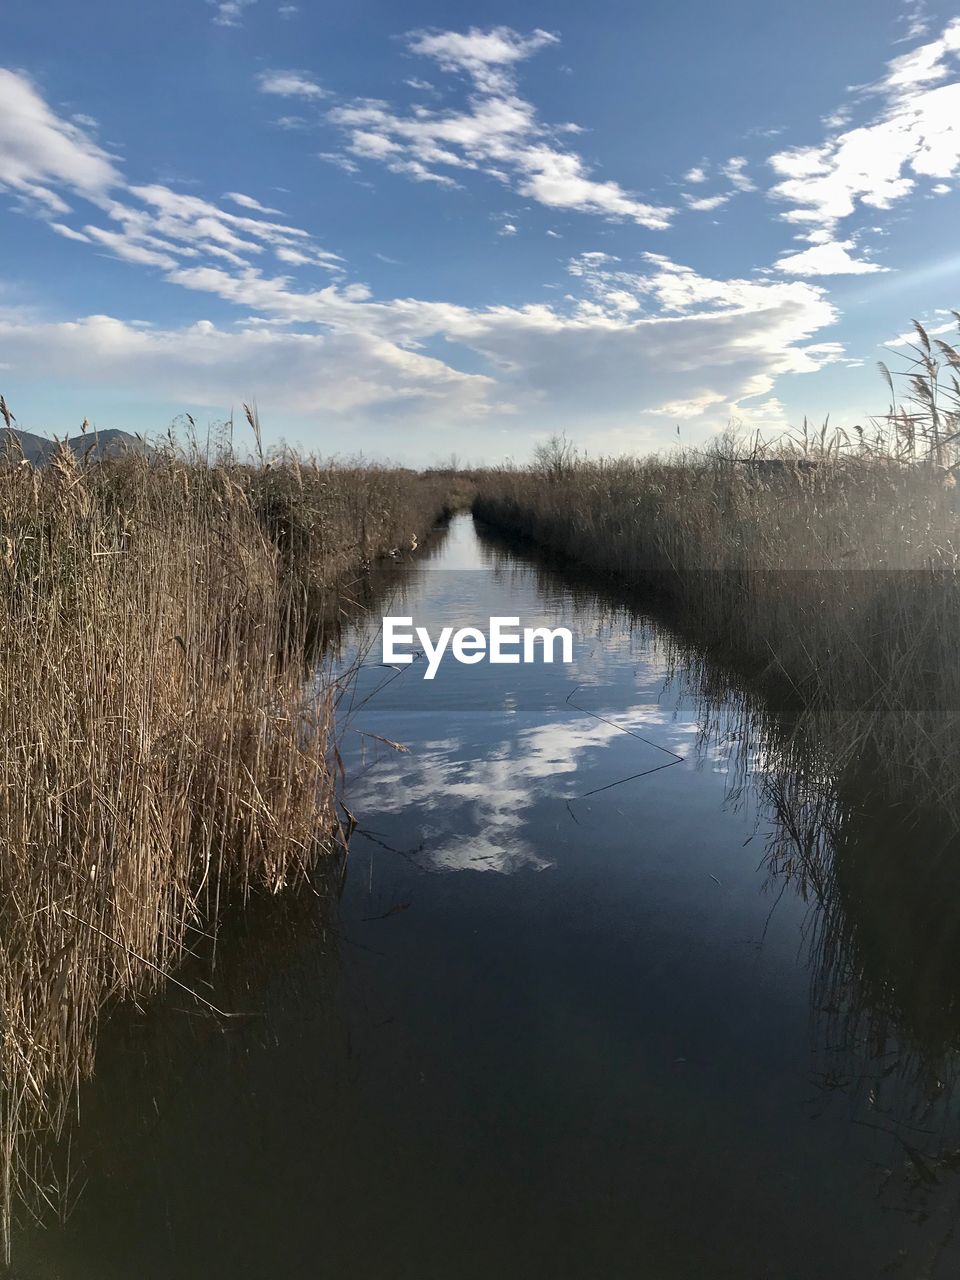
(608, 991)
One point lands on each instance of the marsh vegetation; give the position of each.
(162, 750)
(823, 565)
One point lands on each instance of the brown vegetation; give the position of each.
(160, 744)
(825, 566)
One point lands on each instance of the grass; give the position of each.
(823, 566)
(161, 748)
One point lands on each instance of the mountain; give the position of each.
(96, 444)
(108, 444)
(34, 448)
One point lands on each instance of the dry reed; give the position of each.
(824, 566)
(160, 745)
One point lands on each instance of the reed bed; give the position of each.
(161, 748)
(881, 936)
(823, 566)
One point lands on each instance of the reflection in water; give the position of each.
(478, 804)
(702, 1021)
(882, 944)
(884, 950)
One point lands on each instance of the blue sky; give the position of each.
(414, 236)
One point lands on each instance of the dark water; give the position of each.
(575, 1014)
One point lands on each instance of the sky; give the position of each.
(414, 230)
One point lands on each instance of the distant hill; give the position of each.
(98, 444)
(34, 448)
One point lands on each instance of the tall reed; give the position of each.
(160, 745)
(824, 565)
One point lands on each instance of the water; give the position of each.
(594, 1003)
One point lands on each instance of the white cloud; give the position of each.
(836, 119)
(484, 55)
(831, 258)
(290, 84)
(704, 204)
(694, 407)
(248, 202)
(308, 255)
(45, 160)
(288, 10)
(39, 151)
(508, 229)
(666, 337)
(878, 163)
(347, 373)
(147, 250)
(498, 133)
(735, 171)
(341, 162)
(926, 64)
(560, 180)
(915, 19)
(933, 331)
(69, 233)
(644, 338)
(695, 175)
(634, 338)
(229, 13)
(153, 217)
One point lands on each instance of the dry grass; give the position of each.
(160, 746)
(825, 567)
